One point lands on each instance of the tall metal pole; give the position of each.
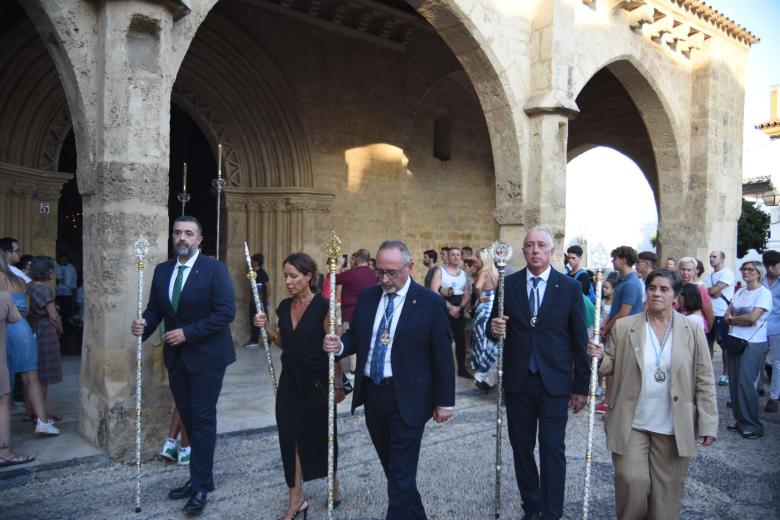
(333, 251)
(140, 250)
(184, 197)
(259, 306)
(599, 258)
(219, 184)
(502, 253)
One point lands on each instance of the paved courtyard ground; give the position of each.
(735, 479)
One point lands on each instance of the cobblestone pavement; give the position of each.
(736, 478)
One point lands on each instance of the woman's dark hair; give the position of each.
(691, 297)
(672, 276)
(699, 268)
(304, 264)
(40, 268)
(24, 260)
(259, 258)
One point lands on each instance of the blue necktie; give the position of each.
(380, 349)
(532, 305)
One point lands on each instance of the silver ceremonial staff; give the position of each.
(140, 250)
(219, 184)
(332, 250)
(599, 256)
(502, 253)
(252, 275)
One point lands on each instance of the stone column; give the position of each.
(29, 200)
(276, 222)
(117, 62)
(714, 190)
(549, 109)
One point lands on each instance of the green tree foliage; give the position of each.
(752, 229)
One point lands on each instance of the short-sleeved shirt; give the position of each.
(628, 291)
(743, 303)
(583, 277)
(353, 282)
(773, 320)
(429, 276)
(719, 305)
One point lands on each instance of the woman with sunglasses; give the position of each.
(746, 316)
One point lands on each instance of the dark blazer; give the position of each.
(421, 353)
(560, 337)
(206, 309)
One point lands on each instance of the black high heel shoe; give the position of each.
(301, 509)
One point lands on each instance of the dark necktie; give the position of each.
(533, 306)
(177, 288)
(381, 343)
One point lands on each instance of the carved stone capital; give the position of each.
(20, 181)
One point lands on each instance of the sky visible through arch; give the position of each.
(608, 199)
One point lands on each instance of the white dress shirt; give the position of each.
(18, 272)
(398, 304)
(654, 406)
(540, 288)
(189, 263)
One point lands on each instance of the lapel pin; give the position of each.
(414, 302)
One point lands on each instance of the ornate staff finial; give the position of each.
(600, 256)
(141, 249)
(501, 251)
(333, 246)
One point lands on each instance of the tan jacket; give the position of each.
(694, 408)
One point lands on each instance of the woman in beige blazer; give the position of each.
(662, 402)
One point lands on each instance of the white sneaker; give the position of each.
(46, 428)
(184, 456)
(250, 345)
(169, 450)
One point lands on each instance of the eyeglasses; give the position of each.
(748, 270)
(391, 273)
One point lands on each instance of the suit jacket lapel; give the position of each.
(410, 302)
(550, 293)
(370, 316)
(191, 278)
(521, 293)
(636, 336)
(679, 344)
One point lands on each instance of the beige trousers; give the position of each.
(649, 478)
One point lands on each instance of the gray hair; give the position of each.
(396, 244)
(688, 260)
(759, 268)
(544, 231)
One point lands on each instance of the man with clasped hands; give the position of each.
(405, 372)
(545, 369)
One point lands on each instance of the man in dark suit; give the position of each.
(405, 372)
(545, 369)
(192, 296)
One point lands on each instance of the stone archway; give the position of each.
(620, 109)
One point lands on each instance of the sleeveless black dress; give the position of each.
(302, 397)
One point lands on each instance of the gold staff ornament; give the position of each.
(252, 275)
(502, 254)
(140, 251)
(600, 258)
(333, 251)
(184, 196)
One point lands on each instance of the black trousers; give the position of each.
(196, 398)
(398, 447)
(541, 489)
(458, 329)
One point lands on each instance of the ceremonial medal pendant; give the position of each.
(660, 375)
(385, 338)
(533, 321)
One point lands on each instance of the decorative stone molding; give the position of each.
(681, 25)
(279, 199)
(21, 181)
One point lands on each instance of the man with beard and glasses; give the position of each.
(192, 297)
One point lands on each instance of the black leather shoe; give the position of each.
(196, 504)
(533, 516)
(184, 491)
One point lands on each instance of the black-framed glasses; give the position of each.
(748, 270)
(391, 273)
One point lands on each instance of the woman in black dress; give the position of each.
(302, 397)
